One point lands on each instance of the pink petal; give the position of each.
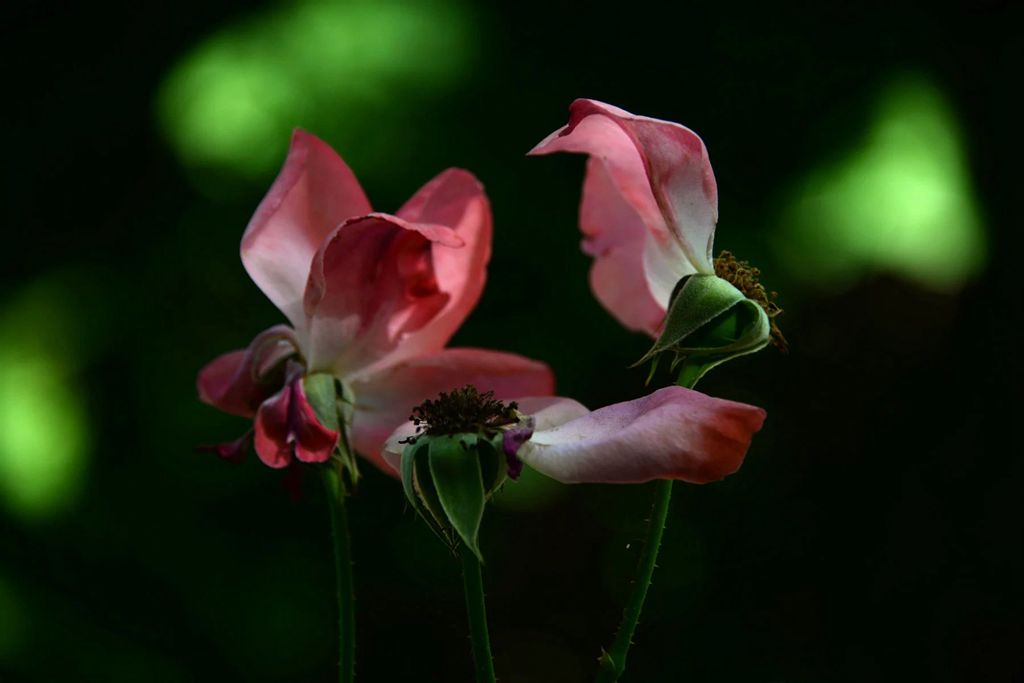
(674, 433)
(314, 192)
(385, 399)
(454, 198)
(287, 423)
(239, 381)
(272, 435)
(661, 170)
(371, 284)
(617, 239)
(313, 441)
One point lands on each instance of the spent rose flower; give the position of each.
(673, 433)
(372, 299)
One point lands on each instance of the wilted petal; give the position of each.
(313, 441)
(674, 433)
(661, 169)
(272, 435)
(239, 381)
(286, 423)
(314, 192)
(371, 284)
(385, 400)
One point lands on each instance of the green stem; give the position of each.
(476, 610)
(343, 576)
(613, 661)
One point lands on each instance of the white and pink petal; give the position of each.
(662, 171)
(673, 433)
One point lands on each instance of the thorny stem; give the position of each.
(613, 661)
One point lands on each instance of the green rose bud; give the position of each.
(715, 318)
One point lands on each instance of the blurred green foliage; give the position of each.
(44, 430)
(337, 68)
(901, 202)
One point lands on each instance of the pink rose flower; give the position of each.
(372, 299)
(648, 210)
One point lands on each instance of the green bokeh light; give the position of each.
(332, 67)
(901, 202)
(44, 435)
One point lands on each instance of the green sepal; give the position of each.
(408, 470)
(709, 321)
(457, 477)
(420, 492)
(698, 301)
(742, 330)
(327, 396)
(493, 463)
(322, 395)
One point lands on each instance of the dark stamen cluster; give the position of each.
(745, 278)
(463, 411)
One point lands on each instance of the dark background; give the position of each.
(873, 534)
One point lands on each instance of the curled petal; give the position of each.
(661, 170)
(455, 198)
(384, 401)
(285, 424)
(371, 283)
(314, 192)
(674, 433)
(272, 433)
(313, 441)
(239, 381)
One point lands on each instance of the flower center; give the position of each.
(463, 411)
(746, 278)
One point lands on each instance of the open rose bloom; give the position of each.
(648, 210)
(372, 300)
